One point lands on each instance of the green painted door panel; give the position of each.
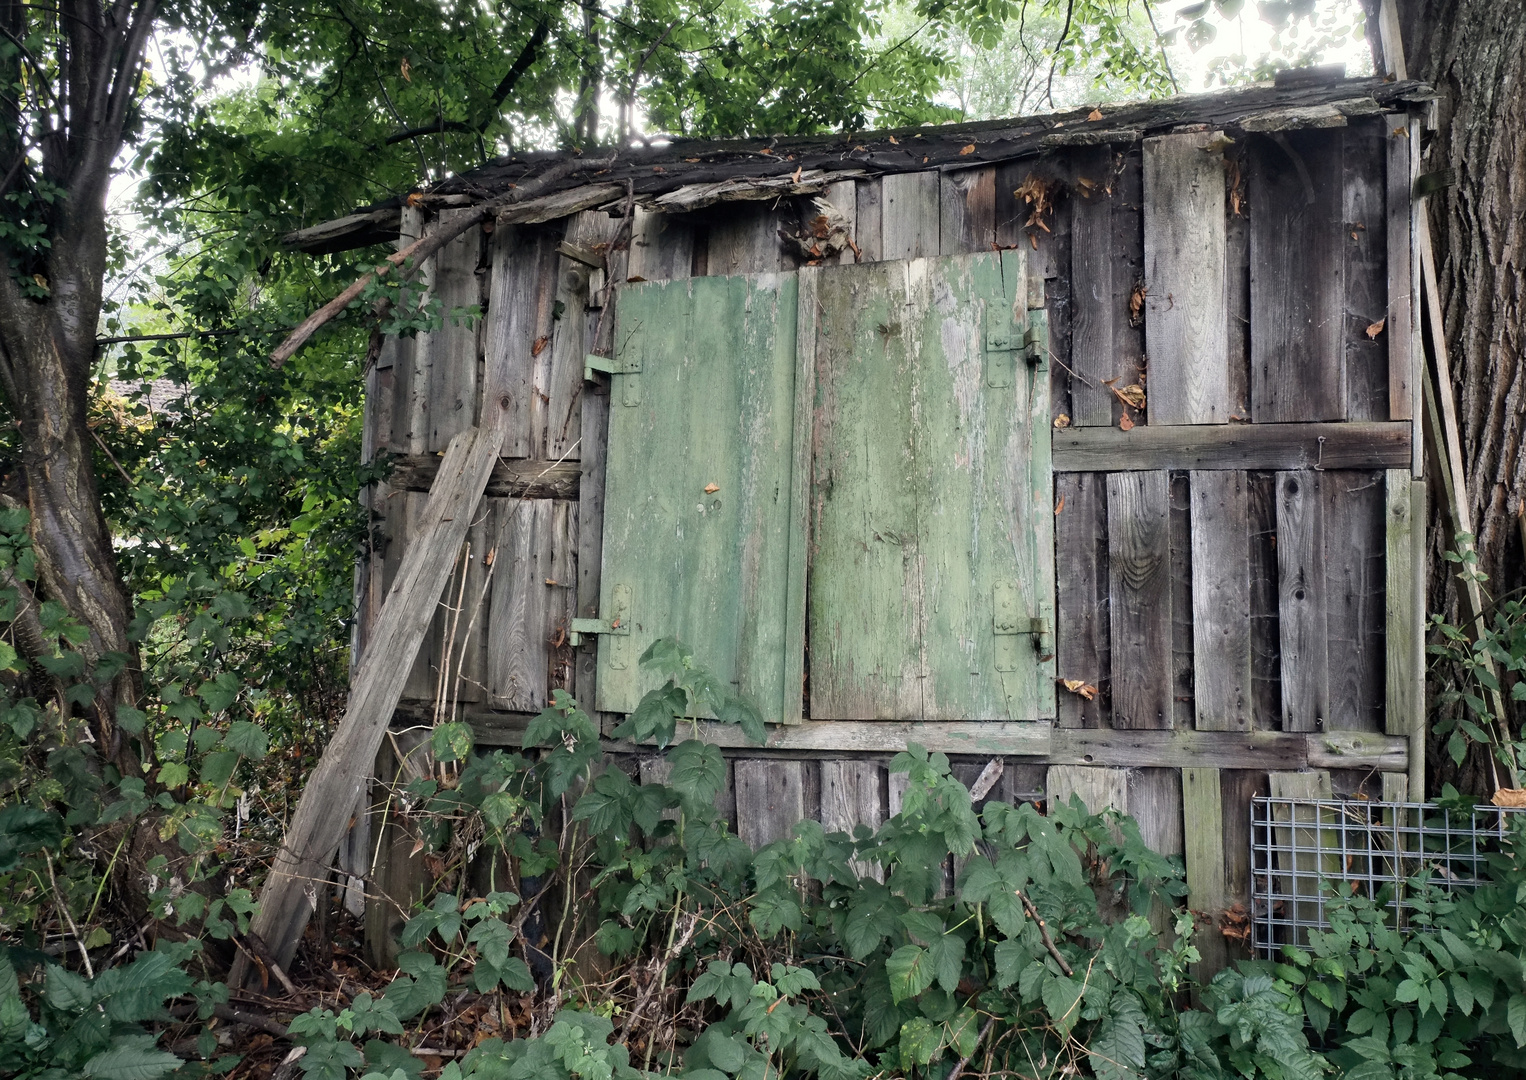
(932, 510)
(705, 399)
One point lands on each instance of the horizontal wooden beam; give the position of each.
(513, 478)
(1357, 445)
(1038, 742)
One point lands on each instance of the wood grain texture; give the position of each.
(1354, 506)
(556, 408)
(590, 558)
(1237, 289)
(1183, 709)
(1186, 327)
(852, 794)
(869, 199)
(661, 247)
(410, 410)
(966, 211)
(746, 241)
(931, 496)
(796, 615)
(1203, 812)
(458, 652)
(1364, 247)
(322, 813)
(1221, 617)
(1235, 446)
(519, 314)
(519, 634)
(412, 510)
(1100, 789)
(1302, 609)
(843, 197)
(453, 360)
(1297, 278)
(511, 477)
(1082, 623)
(706, 566)
(909, 216)
(1106, 263)
(1265, 630)
(1403, 394)
(1155, 802)
(770, 800)
(1139, 608)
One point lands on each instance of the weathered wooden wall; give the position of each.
(1232, 387)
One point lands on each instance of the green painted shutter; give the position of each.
(704, 398)
(931, 582)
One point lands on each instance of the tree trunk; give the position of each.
(1473, 52)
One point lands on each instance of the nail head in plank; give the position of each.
(1297, 278)
(1234, 446)
(1139, 561)
(1301, 601)
(1221, 626)
(1185, 267)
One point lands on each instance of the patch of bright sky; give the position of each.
(1332, 35)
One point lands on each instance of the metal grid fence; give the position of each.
(1360, 848)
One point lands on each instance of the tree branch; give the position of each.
(424, 247)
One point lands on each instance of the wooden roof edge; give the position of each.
(661, 167)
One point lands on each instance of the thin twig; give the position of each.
(1044, 932)
(953, 1074)
(64, 907)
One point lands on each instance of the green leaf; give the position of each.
(1062, 998)
(173, 774)
(1515, 1016)
(910, 971)
(451, 742)
(220, 692)
(698, 771)
(247, 739)
(67, 991)
(132, 1061)
(217, 768)
(1117, 1047)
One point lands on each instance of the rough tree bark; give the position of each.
(1473, 52)
(59, 145)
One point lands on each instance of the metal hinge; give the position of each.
(628, 366)
(1004, 337)
(617, 627)
(1036, 341)
(1009, 623)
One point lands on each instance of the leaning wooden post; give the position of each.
(323, 812)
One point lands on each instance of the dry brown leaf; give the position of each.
(1095, 114)
(1375, 329)
(796, 177)
(711, 489)
(1062, 421)
(1060, 506)
(1086, 184)
(540, 344)
(1506, 796)
(415, 198)
(405, 68)
(765, 150)
(970, 149)
(1136, 303)
(1080, 687)
(1125, 424)
(894, 141)
(1134, 395)
(1033, 238)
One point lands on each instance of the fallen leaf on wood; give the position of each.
(1509, 797)
(1095, 114)
(970, 149)
(1033, 238)
(711, 489)
(1136, 303)
(894, 141)
(1375, 329)
(1062, 421)
(1080, 687)
(1059, 506)
(798, 170)
(539, 346)
(1086, 184)
(1125, 424)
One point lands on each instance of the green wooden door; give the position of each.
(697, 517)
(931, 574)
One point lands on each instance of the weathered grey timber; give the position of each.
(1235, 446)
(334, 786)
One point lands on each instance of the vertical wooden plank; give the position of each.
(1204, 855)
(410, 416)
(909, 215)
(1155, 802)
(1081, 567)
(1395, 787)
(463, 638)
(1302, 612)
(662, 247)
(869, 211)
(796, 616)
(843, 197)
(1237, 287)
(746, 240)
(421, 684)
(1418, 557)
(1364, 243)
(1183, 707)
(561, 397)
(1185, 268)
(852, 795)
(1303, 871)
(967, 211)
(453, 348)
(519, 635)
(1049, 259)
(702, 452)
(1402, 393)
(1239, 786)
(519, 316)
(1099, 788)
(1354, 529)
(562, 595)
(1265, 630)
(590, 554)
(1139, 608)
(1105, 266)
(1221, 618)
(770, 800)
(1297, 278)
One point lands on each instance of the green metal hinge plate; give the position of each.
(1009, 623)
(617, 627)
(629, 367)
(1004, 339)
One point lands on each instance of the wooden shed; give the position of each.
(1087, 444)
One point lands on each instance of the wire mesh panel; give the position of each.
(1303, 852)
